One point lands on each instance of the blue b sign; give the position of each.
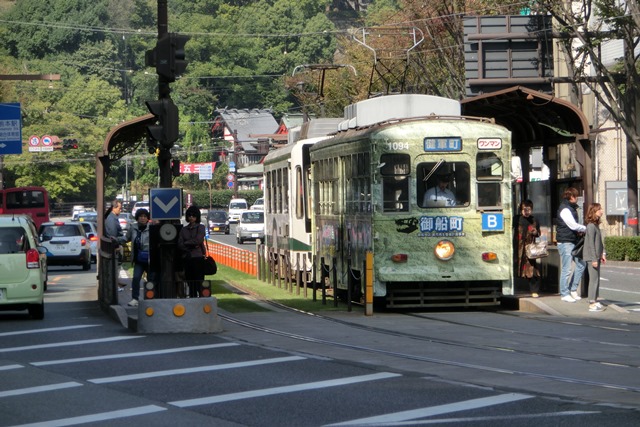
(492, 222)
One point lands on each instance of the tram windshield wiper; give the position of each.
(435, 168)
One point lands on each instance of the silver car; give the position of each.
(250, 226)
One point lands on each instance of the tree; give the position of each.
(584, 27)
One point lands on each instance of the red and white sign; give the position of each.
(47, 143)
(489, 143)
(195, 167)
(34, 143)
(230, 177)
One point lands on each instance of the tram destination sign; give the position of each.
(434, 145)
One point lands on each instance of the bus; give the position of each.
(371, 199)
(33, 201)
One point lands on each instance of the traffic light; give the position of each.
(69, 144)
(168, 56)
(165, 130)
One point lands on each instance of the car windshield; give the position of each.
(253, 218)
(59, 231)
(238, 205)
(217, 216)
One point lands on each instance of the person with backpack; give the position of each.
(138, 235)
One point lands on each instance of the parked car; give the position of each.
(125, 219)
(91, 231)
(66, 243)
(236, 207)
(218, 222)
(258, 204)
(137, 206)
(23, 266)
(250, 227)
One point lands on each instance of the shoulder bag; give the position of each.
(536, 250)
(577, 249)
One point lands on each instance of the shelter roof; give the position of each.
(247, 122)
(534, 118)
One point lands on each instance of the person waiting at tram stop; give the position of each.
(192, 249)
(568, 232)
(527, 231)
(440, 195)
(138, 235)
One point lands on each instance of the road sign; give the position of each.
(10, 129)
(205, 172)
(230, 184)
(232, 166)
(166, 203)
(47, 143)
(230, 177)
(34, 143)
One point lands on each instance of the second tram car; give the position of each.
(427, 192)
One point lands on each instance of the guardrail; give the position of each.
(236, 258)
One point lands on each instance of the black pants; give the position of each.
(194, 274)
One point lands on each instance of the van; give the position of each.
(236, 207)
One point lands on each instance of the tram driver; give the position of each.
(440, 195)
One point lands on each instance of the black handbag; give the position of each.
(577, 249)
(210, 267)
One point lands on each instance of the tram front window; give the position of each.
(489, 173)
(395, 169)
(443, 184)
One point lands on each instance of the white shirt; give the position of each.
(567, 217)
(435, 194)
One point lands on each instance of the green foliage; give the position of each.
(622, 248)
(220, 198)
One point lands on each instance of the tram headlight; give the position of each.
(444, 250)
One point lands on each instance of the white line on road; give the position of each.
(38, 331)
(157, 374)
(10, 367)
(66, 343)
(136, 354)
(103, 416)
(38, 389)
(279, 390)
(437, 410)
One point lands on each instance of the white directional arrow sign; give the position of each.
(166, 207)
(166, 203)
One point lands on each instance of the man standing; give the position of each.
(568, 232)
(112, 227)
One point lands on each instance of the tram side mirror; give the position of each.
(516, 169)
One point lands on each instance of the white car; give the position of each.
(91, 231)
(250, 226)
(236, 207)
(23, 266)
(258, 205)
(66, 243)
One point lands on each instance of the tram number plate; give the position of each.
(492, 222)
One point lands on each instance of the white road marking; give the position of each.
(166, 373)
(280, 390)
(437, 410)
(9, 367)
(103, 416)
(136, 354)
(66, 343)
(38, 389)
(39, 331)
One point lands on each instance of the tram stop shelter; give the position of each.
(549, 127)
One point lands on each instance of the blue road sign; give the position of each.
(10, 129)
(166, 203)
(492, 222)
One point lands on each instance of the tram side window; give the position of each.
(395, 169)
(443, 184)
(489, 173)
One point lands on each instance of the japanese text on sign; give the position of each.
(489, 143)
(439, 226)
(442, 144)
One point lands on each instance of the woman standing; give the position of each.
(527, 232)
(191, 246)
(593, 253)
(138, 234)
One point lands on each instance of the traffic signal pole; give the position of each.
(164, 157)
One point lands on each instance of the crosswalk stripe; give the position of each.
(103, 416)
(280, 390)
(45, 330)
(66, 344)
(38, 389)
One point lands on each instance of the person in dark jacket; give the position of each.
(528, 230)
(138, 235)
(593, 253)
(192, 249)
(568, 232)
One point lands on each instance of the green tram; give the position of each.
(426, 191)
